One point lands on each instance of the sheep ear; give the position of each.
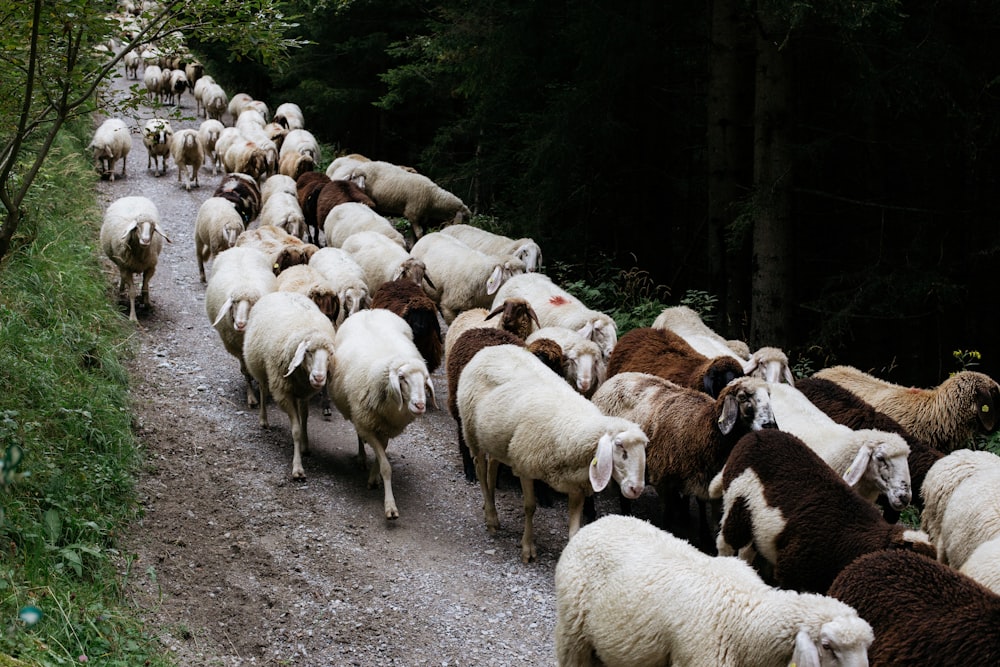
(135, 223)
(856, 470)
(395, 387)
(496, 311)
(805, 654)
(788, 377)
(534, 316)
(601, 466)
(300, 354)
(587, 330)
(730, 411)
(749, 366)
(226, 307)
(160, 232)
(495, 280)
(427, 279)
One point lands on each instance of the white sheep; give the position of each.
(188, 154)
(768, 363)
(132, 60)
(353, 217)
(199, 90)
(961, 495)
(236, 104)
(383, 260)
(584, 364)
(216, 228)
(870, 460)
(630, 594)
(131, 237)
(209, 132)
(464, 278)
(381, 384)
(515, 410)
(947, 416)
(282, 210)
(983, 565)
(420, 200)
(277, 183)
(152, 78)
(347, 278)
(289, 115)
(301, 141)
(342, 167)
(157, 135)
(524, 249)
(240, 277)
(214, 101)
(289, 350)
(557, 307)
(112, 142)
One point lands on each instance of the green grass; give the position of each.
(64, 403)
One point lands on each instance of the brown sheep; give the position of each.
(307, 187)
(409, 301)
(664, 353)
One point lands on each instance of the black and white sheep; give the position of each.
(798, 514)
(873, 462)
(157, 135)
(524, 249)
(244, 192)
(383, 260)
(216, 228)
(515, 410)
(628, 594)
(846, 408)
(381, 384)
(664, 353)
(188, 154)
(112, 141)
(410, 302)
(922, 612)
(131, 237)
(948, 416)
(962, 504)
(289, 115)
(690, 433)
(240, 277)
(464, 277)
(397, 191)
(556, 307)
(289, 350)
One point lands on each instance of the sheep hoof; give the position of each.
(299, 476)
(528, 555)
(391, 513)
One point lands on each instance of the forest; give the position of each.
(827, 173)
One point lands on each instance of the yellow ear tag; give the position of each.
(985, 408)
(593, 464)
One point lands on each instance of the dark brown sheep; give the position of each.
(803, 519)
(410, 302)
(307, 187)
(339, 192)
(845, 407)
(922, 612)
(664, 353)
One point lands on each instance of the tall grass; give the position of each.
(64, 404)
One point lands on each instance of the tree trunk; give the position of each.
(728, 139)
(772, 263)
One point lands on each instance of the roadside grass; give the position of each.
(64, 406)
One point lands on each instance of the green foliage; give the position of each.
(64, 405)
(630, 296)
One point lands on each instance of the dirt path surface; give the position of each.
(238, 565)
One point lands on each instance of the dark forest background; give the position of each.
(829, 173)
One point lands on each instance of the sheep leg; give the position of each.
(129, 284)
(251, 394)
(362, 459)
(300, 440)
(528, 538)
(262, 419)
(575, 503)
(385, 470)
(147, 275)
(483, 470)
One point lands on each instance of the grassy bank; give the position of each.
(64, 405)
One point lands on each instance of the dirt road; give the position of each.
(237, 565)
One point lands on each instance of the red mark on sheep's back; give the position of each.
(558, 300)
(917, 390)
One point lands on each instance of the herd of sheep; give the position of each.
(780, 540)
